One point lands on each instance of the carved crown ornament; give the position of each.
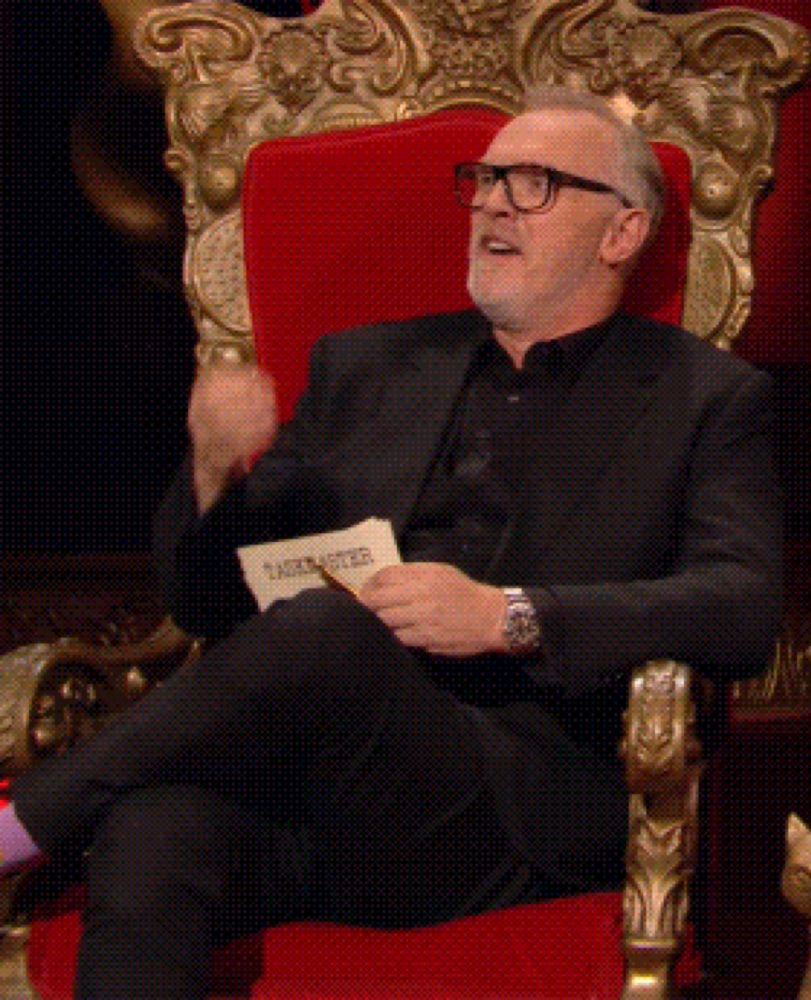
(708, 82)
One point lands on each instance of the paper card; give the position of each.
(277, 570)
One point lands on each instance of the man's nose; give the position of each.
(497, 200)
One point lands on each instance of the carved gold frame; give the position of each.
(707, 82)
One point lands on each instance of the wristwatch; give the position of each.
(522, 630)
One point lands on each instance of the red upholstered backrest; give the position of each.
(348, 228)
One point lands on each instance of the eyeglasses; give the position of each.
(529, 186)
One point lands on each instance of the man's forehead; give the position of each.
(536, 136)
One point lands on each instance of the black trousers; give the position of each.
(306, 767)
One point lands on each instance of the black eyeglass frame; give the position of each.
(557, 180)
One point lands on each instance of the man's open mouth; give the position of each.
(498, 247)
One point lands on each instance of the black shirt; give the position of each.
(505, 420)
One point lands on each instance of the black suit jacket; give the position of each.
(652, 530)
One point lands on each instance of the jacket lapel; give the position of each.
(610, 396)
(415, 412)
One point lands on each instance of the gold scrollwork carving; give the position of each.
(20, 671)
(14, 981)
(643, 57)
(191, 41)
(219, 177)
(659, 866)
(657, 896)
(54, 695)
(470, 39)
(218, 274)
(659, 742)
(470, 18)
(708, 82)
(710, 283)
(472, 47)
(716, 189)
(374, 48)
(663, 765)
(738, 41)
(293, 60)
(786, 685)
(45, 706)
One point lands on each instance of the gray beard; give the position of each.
(503, 315)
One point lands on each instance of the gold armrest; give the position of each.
(663, 766)
(53, 695)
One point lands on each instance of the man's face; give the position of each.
(528, 270)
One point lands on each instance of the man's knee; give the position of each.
(344, 645)
(307, 668)
(322, 611)
(323, 632)
(270, 655)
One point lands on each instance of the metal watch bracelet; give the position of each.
(522, 630)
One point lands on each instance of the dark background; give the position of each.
(97, 342)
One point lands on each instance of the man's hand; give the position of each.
(435, 607)
(232, 418)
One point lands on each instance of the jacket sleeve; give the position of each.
(719, 609)
(195, 555)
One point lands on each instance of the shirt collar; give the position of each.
(570, 352)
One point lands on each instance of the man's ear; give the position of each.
(625, 236)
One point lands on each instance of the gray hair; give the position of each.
(640, 171)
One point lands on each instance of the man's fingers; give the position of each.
(236, 384)
(399, 583)
(392, 575)
(232, 419)
(398, 617)
(232, 407)
(417, 637)
(413, 636)
(379, 595)
(383, 589)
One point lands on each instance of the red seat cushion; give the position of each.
(567, 949)
(348, 228)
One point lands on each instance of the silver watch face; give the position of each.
(521, 629)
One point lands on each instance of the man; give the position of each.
(574, 491)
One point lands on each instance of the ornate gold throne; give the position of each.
(708, 83)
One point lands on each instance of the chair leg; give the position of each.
(659, 868)
(797, 882)
(663, 767)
